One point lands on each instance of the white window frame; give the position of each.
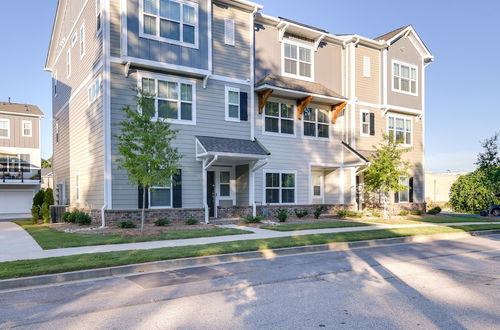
(170, 41)
(280, 102)
(55, 83)
(228, 38)
(179, 81)
(232, 184)
(81, 38)
(321, 184)
(30, 128)
(280, 172)
(316, 125)
(363, 123)
(161, 207)
(74, 39)
(405, 118)
(94, 90)
(404, 180)
(77, 187)
(291, 75)
(68, 63)
(56, 131)
(237, 90)
(8, 128)
(410, 66)
(98, 15)
(367, 66)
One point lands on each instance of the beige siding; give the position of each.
(16, 138)
(228, 60)
(115, 27)
(368, 88)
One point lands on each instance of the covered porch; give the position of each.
(228, 174)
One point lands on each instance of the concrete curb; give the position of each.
(224, 258)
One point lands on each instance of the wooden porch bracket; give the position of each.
(263, 97)
(336, 109)
(302, 104)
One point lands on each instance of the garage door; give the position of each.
(16, 201)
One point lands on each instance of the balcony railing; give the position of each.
(25, 176)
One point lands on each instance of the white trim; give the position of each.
(160, 65)
(230, 80)
(30, 128)
(228, 24)
(68, 63)
(321, 196)
(384, 76)
(426, 55)
(179, 81)
(298, 45)
(74, 39)
(106, 41)
(98, 11)
(267, 86)
(405, 118)
(8, 128)
(209, 34)
(124, 27)
(98, 91)
(279, 134)
(181, 23)
(408, 111)
(410, 66)
(361, 112)
(316, 124)
(54, 84)
(77, 187)
(81, 40)
(226, 96)
(232, 184)
(408, 191)
(295, 188)
(161, 206)
(367, 66)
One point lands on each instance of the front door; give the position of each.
(211, 193)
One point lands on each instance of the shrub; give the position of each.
(35, 213)
(476, 191)
(376, 214)
(81, 218)
(417, 212)
(434, 210)
(301, 213)
(350, 214)
(38, 198)
(282, 215)
(45, 212)
(251, 219)
(125, 224)
(192, 221)
(162, 222)
(49, 197)
(68, 217)
(318, 211)
(404, 213)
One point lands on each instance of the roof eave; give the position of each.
(49, 52)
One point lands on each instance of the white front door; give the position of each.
(225, 185)
(317, 187)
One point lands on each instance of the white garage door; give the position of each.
(16, 201)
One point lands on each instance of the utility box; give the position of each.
(57, 212)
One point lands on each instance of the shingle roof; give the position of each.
(238, 146)
(390, 35)
(27, 109)
(297, 85)
(302, 24)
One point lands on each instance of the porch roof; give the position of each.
(227, 146)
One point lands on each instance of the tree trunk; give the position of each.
(143, 207)
(385, 198)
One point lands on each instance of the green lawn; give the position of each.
(417, 220)
(98, 260)
(315, 225)
(49, 238)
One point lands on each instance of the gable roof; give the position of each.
(237, 146)
(23, 109)
(395, 35)
(389, 35)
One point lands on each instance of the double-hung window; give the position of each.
(316, 123)
(367, 67)
(4, 128)
(68, 63)
(404, 196)
(224, 184)
(232, 103)
(365, 123)
(280, 187)
(172, 21)
(27, 128)
(160, 197)
(170, 99)
(94, 90)
(98, 15)
(278, 118)
(55, 83)
(404, 78)
(400, 129)
(297, 61)
(82, 41)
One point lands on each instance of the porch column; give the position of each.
(341, 186)
(251, 187)
(353, 187)
(204, 185)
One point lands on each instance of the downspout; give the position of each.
(253, 170)
(103, 219)
(206, 165)
(252, 73)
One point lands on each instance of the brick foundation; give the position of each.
(396, 208)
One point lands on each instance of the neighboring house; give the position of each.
(270, 112)
(438, 185)
(19, 157)
(47, 178)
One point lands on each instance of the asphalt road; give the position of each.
(442, 284)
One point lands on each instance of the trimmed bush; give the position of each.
(126, 224)
(350, 214)
(318, 211)
(68, 217)
(282, 215)
(404, 213)
(35, 213)
(376, 214)
(251, 219)
(434, 210)
(476, 191)
(192, 221)
(45, 212)
(162, 222)
(417, 212)
(301, 213)
(38, 200)
(78, 217)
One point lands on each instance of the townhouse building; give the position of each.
(270, 113)
(20, 158)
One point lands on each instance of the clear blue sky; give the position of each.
(461, 85)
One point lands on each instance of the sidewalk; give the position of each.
(16, 244)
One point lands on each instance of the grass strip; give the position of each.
(24, 268)
(315, 225)
(50, 238)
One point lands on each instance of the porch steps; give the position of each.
(225, 221)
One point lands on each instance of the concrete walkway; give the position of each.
(18, 245)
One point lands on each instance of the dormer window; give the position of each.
(297, 60)
(170, 21)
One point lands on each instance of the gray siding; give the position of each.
(16, 136)
(242, 192)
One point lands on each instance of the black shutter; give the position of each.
(177, 190)
(243, 106)
(139, 195)
(396, 197)
(411, 190)
(372, 124)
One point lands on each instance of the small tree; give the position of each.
(47, 163)
(36, 209)
(490, 156)
(47, 202)
(476, 191)
(145, 147)
(386, 168)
